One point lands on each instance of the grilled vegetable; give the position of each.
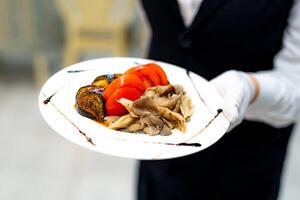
(104, 80)
(90, 103)
(101, 98)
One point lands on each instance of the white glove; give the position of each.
(238, 91)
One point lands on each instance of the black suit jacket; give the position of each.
(226, 34)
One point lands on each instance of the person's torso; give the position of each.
(226, 34)
(235, 34)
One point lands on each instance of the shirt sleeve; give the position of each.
(278, 103)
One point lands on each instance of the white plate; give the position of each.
(205, 128)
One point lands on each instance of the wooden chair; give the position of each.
(95, 25)
(16, 28)
(18, 36)
(5, 30)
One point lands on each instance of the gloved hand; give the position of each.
(238, 89)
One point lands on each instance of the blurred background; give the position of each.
(38, 38)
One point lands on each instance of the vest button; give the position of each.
(185, 43)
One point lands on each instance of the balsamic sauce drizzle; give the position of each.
(137, 63)
(177, 144)
(194, 85)
(80, 131)
(77, 71)
(46, 101)
(189, 144)
(163, 143)
(219, 111)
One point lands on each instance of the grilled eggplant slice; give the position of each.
(104, 80)
(89, 102)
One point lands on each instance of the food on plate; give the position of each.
(113, 107)
(157, 111)
(126, 80)
(161, 73)
(147, 74)
(122, 122)
(104, 80)
(89, 99)
(140, 100)
(90, 103)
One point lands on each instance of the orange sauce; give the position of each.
(103, 123)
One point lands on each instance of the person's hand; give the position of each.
(238, 90)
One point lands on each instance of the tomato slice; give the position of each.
(161, 73)
(146, 73)
(147, 83)
(113, 107)
(130, 80)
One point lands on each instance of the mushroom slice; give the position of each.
(168, 123)
(173, 117)
(152, 120)
(160, 90)
(135, 127)
(150, 130)
(186, 107)
(178, 89)
(150, 93)
(111, 119)
(165, 131)
(168, 102)
(122, 122)
(177, 106)
(144, 106)
(128, 105)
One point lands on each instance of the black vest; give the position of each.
(225, 34)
